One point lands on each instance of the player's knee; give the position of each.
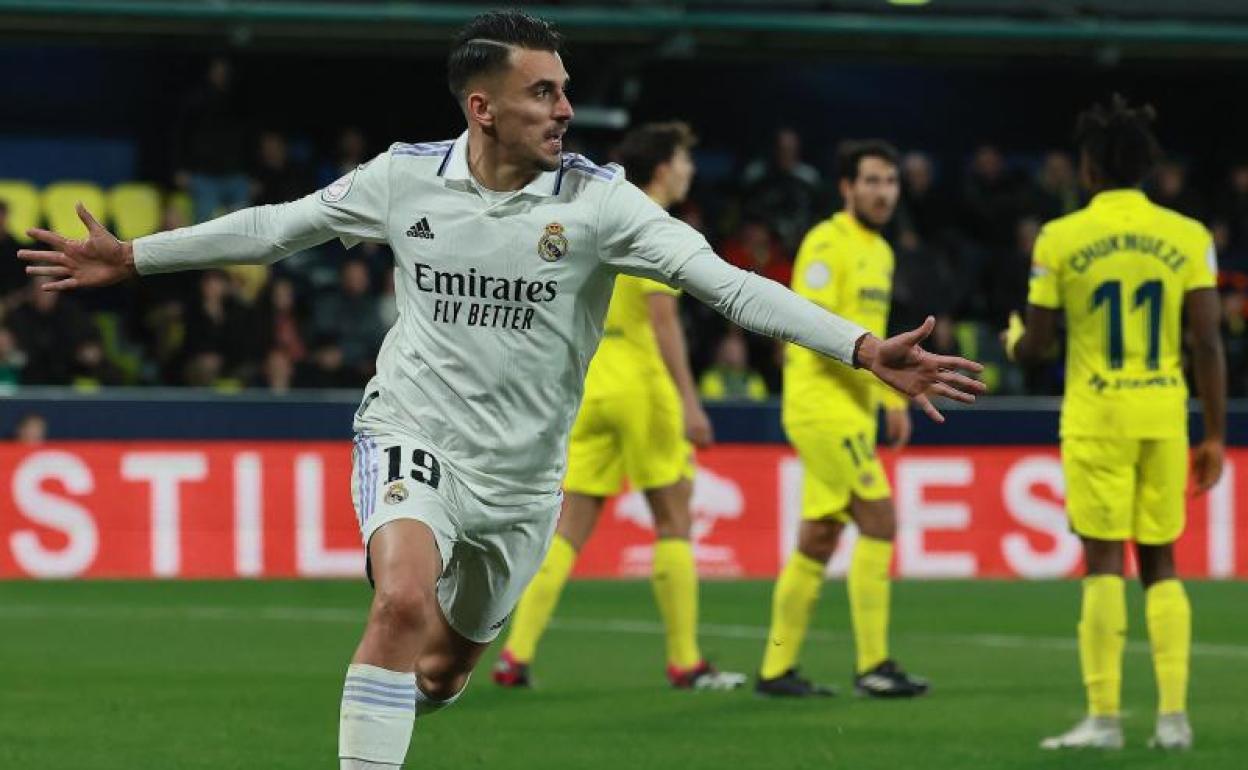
(1156, 563)
(818, 540)
(674, 525)
(401, 608)
(443, 675)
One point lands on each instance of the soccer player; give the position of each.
(829, 414)
(506, 251)
(1122, 273)
(639, 414)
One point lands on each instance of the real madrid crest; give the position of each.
(553, 245)
(396, 493)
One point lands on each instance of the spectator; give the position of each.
(48, 326)
(783, 190)
(754, 248)
(91, 368)
(1169, 188)
(217, 323)
(325, 367)
(730, 377)
(1233, 208)
(12, 361)
(924, 209)
(353, 314)
(12, 271)
(924, 283)
(1007, 277)
(277, 178)
(210, 145)
(1057, 187)
(350, 152)
(278, 373)
(990, 205)
(280, 320)
(31, 429)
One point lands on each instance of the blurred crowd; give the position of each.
(962, 235)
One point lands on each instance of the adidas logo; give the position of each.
(420, 230)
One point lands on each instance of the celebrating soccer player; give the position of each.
(829, 414)
(639, 414)
(1121, 273)
(506, 252)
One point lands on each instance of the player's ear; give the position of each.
(479, 109)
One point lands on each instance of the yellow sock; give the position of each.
(1102, 637)
(868, 586)
(1170, 630)
(539, 600)
(797, 591)
(675, 581)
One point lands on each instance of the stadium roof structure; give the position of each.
(1103, 28)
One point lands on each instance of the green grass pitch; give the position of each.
(247, 675)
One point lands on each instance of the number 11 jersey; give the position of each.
(1119, 269)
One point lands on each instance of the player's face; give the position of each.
(531, 108)
(680, 171)
(872, 197)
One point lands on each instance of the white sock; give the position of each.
(375, 723)
(426, 705)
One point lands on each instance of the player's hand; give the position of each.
(897, 427)
(1206, 466)
(698, 426)
(1012, 334)
(98, 260)
(902, 364)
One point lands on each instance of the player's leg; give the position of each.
(869, 586)
(576, 523)
(1100, 492)
(675, 573)
(1160, 521)
(826, 490)
(793, 605)
(675, 583)
(409, 660)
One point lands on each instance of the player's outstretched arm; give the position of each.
(901, 363)
(97, 260)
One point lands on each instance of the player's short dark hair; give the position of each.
(647, 147)
(1118, 141)
(484, 45)
(849, 155)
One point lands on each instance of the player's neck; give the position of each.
(489, 166)
(656, 194)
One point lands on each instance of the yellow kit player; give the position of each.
(1121, 273)
(846, 266)
(637, 421)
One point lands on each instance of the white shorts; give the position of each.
(489, 552)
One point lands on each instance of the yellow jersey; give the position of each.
(847, 269)
(628, 358)
(1119, 270)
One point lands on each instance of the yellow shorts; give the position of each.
(839, 461)
(639, 437)
(1126, 489)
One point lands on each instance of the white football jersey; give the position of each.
(501, 296)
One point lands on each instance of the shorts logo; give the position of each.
(396, 493)
(553, 245)
(500, 623)
(866, 479)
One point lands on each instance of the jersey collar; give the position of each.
(1128, 196)
(455, 171)
(852, 224)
